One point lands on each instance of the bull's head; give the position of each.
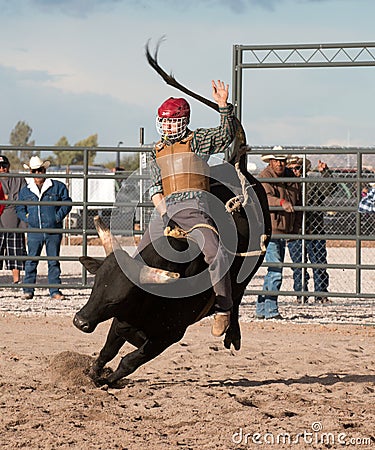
(112, 285)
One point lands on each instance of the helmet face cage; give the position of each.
(173, 118)
(171, 128)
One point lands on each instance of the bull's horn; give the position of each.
(109, 242)
(147, 274)
(152, 275)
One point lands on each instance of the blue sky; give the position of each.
(77, 67)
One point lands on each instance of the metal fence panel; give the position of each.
(348, 234)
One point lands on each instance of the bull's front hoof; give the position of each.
(100, 382)
(100, 375)
(99, 378)
(104, 382)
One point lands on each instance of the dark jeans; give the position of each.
(316, 253)
(35, 243)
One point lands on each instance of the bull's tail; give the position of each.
(170, 79)
(238, 146)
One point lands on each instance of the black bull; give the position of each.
(152, 322)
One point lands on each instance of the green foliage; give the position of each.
(19, 137)
(91, 141)
(15, 163)
(20, 134)
(130, 163)
(73, 157)
(62, 142)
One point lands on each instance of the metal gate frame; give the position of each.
(296, 56)
(303, 56)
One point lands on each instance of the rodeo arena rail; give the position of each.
(332, 224)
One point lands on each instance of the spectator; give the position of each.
(180, 182)
(2, 197)
(11, 244)
(43, 216)
(118, 181)
(367, 203)
(285, 195)
(315, 249)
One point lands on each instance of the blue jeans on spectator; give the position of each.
(266, 305)
(35, 243)
(316, 253)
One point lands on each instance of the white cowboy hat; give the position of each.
(37, 163)
(267, 158)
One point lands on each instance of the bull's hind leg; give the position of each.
(148, 351)
(233, 334)
(118, 334)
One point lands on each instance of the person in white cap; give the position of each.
(43, 216)
(284, 220)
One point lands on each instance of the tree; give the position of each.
(62, 142)
(131, 162)
(62, 157)
(19, 137)
(14, 160)
(91, 141)
(69, 157)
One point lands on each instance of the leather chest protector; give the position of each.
(181, 169)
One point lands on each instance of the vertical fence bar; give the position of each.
(358, 246)
(237, 81)
(85, 209)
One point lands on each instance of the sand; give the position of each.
(304, 383)
(311, 384)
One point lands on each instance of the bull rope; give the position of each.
(235, 203)
(179, 233)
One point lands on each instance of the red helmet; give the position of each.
(173, 118)
(174, 108)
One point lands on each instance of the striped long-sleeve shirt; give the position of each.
(367, 204)
(205, 142)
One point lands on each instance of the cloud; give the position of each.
(84, 8)
(53, 113)
(74, 8)
(13, 76)
(77, 8)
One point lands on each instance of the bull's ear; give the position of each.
(91, 264)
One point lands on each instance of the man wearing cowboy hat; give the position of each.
(315, 249)
(43, 216)
(285, 220)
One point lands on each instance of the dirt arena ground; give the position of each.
(307, 382)
(301, 386)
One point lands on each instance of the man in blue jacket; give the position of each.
(41, 189)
